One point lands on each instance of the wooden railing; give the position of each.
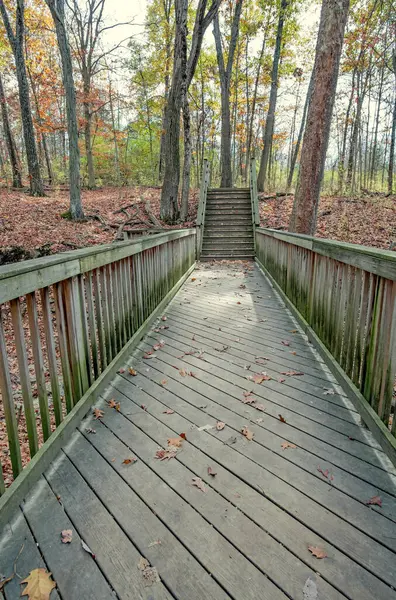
(253, 193)
(203, 191)
(347, 295)
(64, 318)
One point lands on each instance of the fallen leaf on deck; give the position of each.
(39, 585)
(281, 380)
(328, 392)
(211, 472)
(285, 343)
(132, 372)
(376, 500)
(285, 445)
(169, 411)
(164, 381)
(310, 591)
(157, 347)
(291, 373)
(326, 473)
(220, 425)
(5, 580)
(113, 404)
(99, 414)
(143, 563)
(121, 371)
(183, 436)
(87, 548)
(183, 372)
(144, 407)
(317, 552)
(66, 536)
(238, 302)
(293, 352)
(166, 454)
(163, 318)
(282, 419)
(175, 442)
(90, 430)
(259, 406)
(197, 481)
(293, 331)
(193, 279)
(260, 377)
(129, 461)
(147, 356)
(192, 374)
(247, 433)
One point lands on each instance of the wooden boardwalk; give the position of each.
(244, 530)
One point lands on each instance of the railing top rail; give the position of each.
(18, 279)
(374, 260)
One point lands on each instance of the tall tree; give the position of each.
(10, 142)
(270, 121)
(391, 166)
(57, 8)
(17, 40)
(225, 70)
(333, 18)
(183, 72)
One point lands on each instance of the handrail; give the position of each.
(203, 192)
(65, 318)
(253, 193)
(346, 294)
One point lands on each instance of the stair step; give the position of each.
(235, 256)
(228, 201)
(235, 235)
(215, 212)
(229, 220)
(229, 191)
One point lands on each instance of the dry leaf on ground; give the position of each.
(113, 404)
(317, 552)
(169, 411)
(197, 481)
(143, 563)
(183, 436)
(183, 372)
(375, 500)
(285, 343)
(247, 433)
(175, 442)
(129, 461)
(163, 318)
(326, 473)
(285, 445)
(99, 414)
(87, 548)
(164, 381)
(220, 425)
(39, 585)
(166, 454)
(259, 406)
(282, 419)
(121, 371)
(132, 372)
(211, 472)
(66, 536)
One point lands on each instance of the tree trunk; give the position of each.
(17, 44)
(333, 19)
(300, 136)
(187, 161)
(377, 120)
(57, 11)
(393, 134)
(11, 146)
(270, 121)
(88, 144)
(225, 72)
(341, 162)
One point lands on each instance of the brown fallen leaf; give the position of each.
(375, 500)
(259, 406)
(238, 302)
(193, 279)
(121, 371)
(260, 377)
(143, 563)
(144, 407)
(197, 481)
(211, 472)
(326, 473)
(220, 425)
(183, 436)
(132, 372)
(169, 411)
(39, 585)
(175, 442)
(183, 372)
(285, 445)
(164, 381)
(166, 454)
(157, 347)
(113, 404)
(281, 380)
(293, 352)
(66, 536)
(129, 461)
(317, 552)
(282, 419)
(147, 356)
(99, 414)
(163, 318)
(285, 343)
(247, 433)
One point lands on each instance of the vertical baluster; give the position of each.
(51, 354)
(355, 315)
(24, 376)
(371, 342)
(340, 315)
(361, 326)
(91, 321)
(9, 406)
(130, 287)
(71, 337)
(99, 319)
(110, 306)
(116, 304)
(84, 347)
(105, 311)
(63, 346)
(38, 364)
(385, 354)
(350, 321)
(2, 484)
(126, 296)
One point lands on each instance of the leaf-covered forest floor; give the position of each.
(31, 227)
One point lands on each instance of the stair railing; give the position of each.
(203, 192)
(254, 196)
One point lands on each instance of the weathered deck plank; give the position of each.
(247, 535)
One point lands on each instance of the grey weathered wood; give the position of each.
(267, 514)
(118, 557)
(141, 525)
(75, 571)
(63, 345)
(51, 355)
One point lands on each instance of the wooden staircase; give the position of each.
(228, 231)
